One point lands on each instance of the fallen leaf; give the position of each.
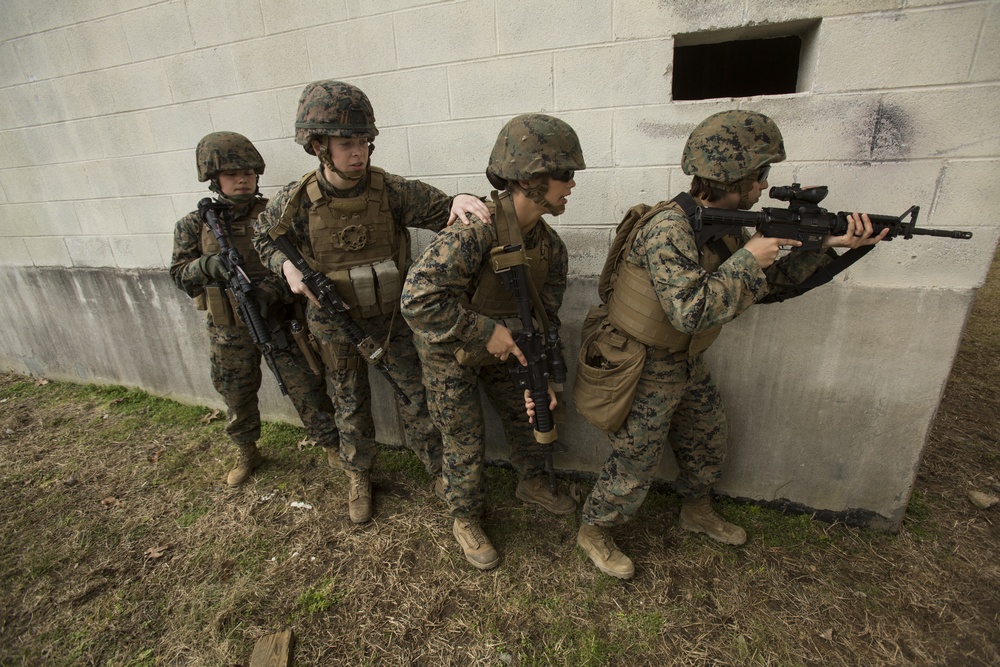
(41, 382)
(156, 552)
(983, 501)
(299, 505)
(110, 500)
(827, 634)
(209, 417)
(116, 401)
(156, 455)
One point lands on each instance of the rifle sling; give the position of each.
(509, 234)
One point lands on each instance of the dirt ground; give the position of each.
(122, 546)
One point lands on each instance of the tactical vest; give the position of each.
(635, 310)
(490, 298)
(240, 236)
(357, 243)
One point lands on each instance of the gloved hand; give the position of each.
(212, 267)
(264, 300)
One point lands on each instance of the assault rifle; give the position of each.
(326, 293)
(804, 220)
(542, 349)
(242, 288)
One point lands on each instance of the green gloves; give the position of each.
(212, 267)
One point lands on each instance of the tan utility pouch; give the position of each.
(607, 372)
(480, 356)
(200, 302)
(219, 307)
(340, 356)
(374, 289)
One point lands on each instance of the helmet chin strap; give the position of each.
(537, 194)
(353, 176)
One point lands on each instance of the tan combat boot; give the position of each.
(332, 456)
(536, 490)
(247, 460)
(698, 516)
(359, 498)
(596, 542)
(477, 547)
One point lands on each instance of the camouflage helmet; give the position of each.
(333, 108)
(532, 144)
(730, 146)
(226, 151)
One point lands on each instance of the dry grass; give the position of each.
(122, 546)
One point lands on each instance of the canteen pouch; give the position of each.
(607, 372)
(217, 302)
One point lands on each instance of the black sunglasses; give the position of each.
(762, 176)
(565, 175)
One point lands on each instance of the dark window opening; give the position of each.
(739, 68)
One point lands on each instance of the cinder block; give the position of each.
(587, 249)
(36, 103)
(647, 185)
(452, 148)
(288, 106)
(286, 162)
(93, 251)
(163, 173)
(87, 94)
(590, 203)
(42, 143)
(18, 219)
(17, 152)
(158, 30)
(54, 218)
(421, 34)
(125, 134)
(100, 217)
(13, 252)
(777, 12)
(23, 184)
(254, 115)
(48, 251)
(335, 52)
(51, 15)
(63, 182)
(187, 203)
(656, 135)
(986, 66)
(140, 86)
(630, 73)
(525, 25)
(8, 118)
(896, 41)
(11, 73)
(101, 178)
(202, 74)
(968, 189)
(364, 7)
(594, 129)
(288, 15)
(394, 153)
(79, 141)
(149, 215)
(637, 19)
(16, 19)
(180, 127)
(930, 121)
(44, 55)
(411, 97)
(97, 45)
(922, 3)
(516, 85)
(287, 62)
(164, 246)
(135, 252)
(242, 21)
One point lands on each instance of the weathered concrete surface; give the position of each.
(830, 396)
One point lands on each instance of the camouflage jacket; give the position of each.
(187, 250)
(413, 204)
(437, 290)
(695, 300)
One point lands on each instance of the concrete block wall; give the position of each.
(102, 103)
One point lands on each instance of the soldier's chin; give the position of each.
(556, 210)
(353, 174)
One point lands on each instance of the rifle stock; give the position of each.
(242, 288)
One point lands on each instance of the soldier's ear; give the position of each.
(318, 145)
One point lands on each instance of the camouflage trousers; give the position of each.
(676, 402)
(352, 392)
(457, 410)
(236, 375)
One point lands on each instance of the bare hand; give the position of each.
(462, 205)
(859, 233)
(529, 403)
(501, 345)
(294, 278)
(765, 250)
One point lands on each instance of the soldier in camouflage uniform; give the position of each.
(232, 165)
(679, 297)
(349, 219)
(460, 315)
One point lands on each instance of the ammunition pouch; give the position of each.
(370, 289)
(607, 372)
(219, 307)
(340, 356)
